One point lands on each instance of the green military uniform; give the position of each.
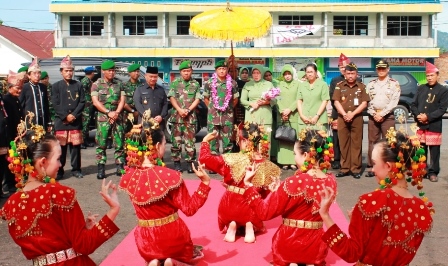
(184, 129)
(221, 121)
(129, 89)
(87, 111)
(109, 94)
(312, 97)
(288, 100)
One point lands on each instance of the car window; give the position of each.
(368, 79)
(402, 79)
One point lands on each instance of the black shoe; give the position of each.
(120, 170)
(108, 144)
(190, 168)
(342, 174)
(178, 166)
(59, 176)
(212, 173)
(90, 144)
(370, 174)
(82, 146)
(335, 165)
(77, 174)
(4, 195)
(356, 176)
(101, 172)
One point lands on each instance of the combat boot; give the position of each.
(190, 167)
(120, 170)
(101, 172)
(177, 166)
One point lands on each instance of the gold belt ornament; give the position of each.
(236, 190)
(158, 222)
(302, 224)
(57, 257)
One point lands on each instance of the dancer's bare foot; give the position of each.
(154, 262)
(168, 262)
(250, 234)
(293, 264)
(231, 232)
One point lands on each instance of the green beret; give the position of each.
(43, 75)
(133, 67)
(23, 69)
(108, 64)
(221, 63)
(185, 64)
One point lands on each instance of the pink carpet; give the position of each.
(204, 231)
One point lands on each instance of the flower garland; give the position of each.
(215, 97)
(326, 149)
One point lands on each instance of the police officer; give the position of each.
(151, 96)
(131, 114)
(109, 98)
(384, 93)
(220, 97)
(185, 96)
(350, 99)
(89, 110)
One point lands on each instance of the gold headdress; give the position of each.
(19, 162)
(417, 170)
(326, 149)
(136, 148)
(258, 140)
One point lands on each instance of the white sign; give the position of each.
(297, 63)
(196, 63)
(287, 34)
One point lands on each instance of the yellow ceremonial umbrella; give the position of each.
(231, 24)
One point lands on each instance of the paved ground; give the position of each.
(432, 252)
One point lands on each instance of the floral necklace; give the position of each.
(215, 98)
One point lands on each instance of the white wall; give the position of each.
(11, 57)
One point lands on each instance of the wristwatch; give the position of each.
(107, 111)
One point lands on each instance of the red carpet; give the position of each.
(204, 231)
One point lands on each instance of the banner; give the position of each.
(297, 63)
(196, 63)
(250, 61)
(286, 34)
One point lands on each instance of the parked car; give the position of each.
(52, 66)
(408, 85)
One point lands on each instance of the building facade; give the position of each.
(156, 33)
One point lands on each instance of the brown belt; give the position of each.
(158, 222)
(302, 224)
(236, 190)
(53, 258)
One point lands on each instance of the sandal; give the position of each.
(285, 167)
(433, 178)
(293, 167)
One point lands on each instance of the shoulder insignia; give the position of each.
(340, 82)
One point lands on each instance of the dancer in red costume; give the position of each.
(157, 193)
(387, 226)
(298, 239)
(44, 217)
(233, 211)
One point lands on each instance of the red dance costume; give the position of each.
(157, 193)
(48, 225)
(385, 229)
(297, 200)
(233, 206)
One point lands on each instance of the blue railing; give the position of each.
(250, 1)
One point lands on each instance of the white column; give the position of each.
(381, 26)
(326, 29)
(58, 36)
(435, 29)
(164, 30)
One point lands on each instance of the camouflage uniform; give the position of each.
(129, 89)
(109, 94)
(88, 107)
(185, 92)
(218, 120)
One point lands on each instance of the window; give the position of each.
(183, 25)
(139, 25)
(295, 20)
(404, 26)
(350, 25)
(86, 25)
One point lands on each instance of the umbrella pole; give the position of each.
(232, 64)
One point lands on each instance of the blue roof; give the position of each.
(248, 1)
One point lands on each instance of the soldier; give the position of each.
(223, 92)
(109, 98)
(350, 99)
(33, 97)
(429, 105)
(343, 61)
(89, 109)
(24, 70)
(384, 93)
(185, 96)
(151, 96)
(68, 101)
(45, 79)
(129, 88)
